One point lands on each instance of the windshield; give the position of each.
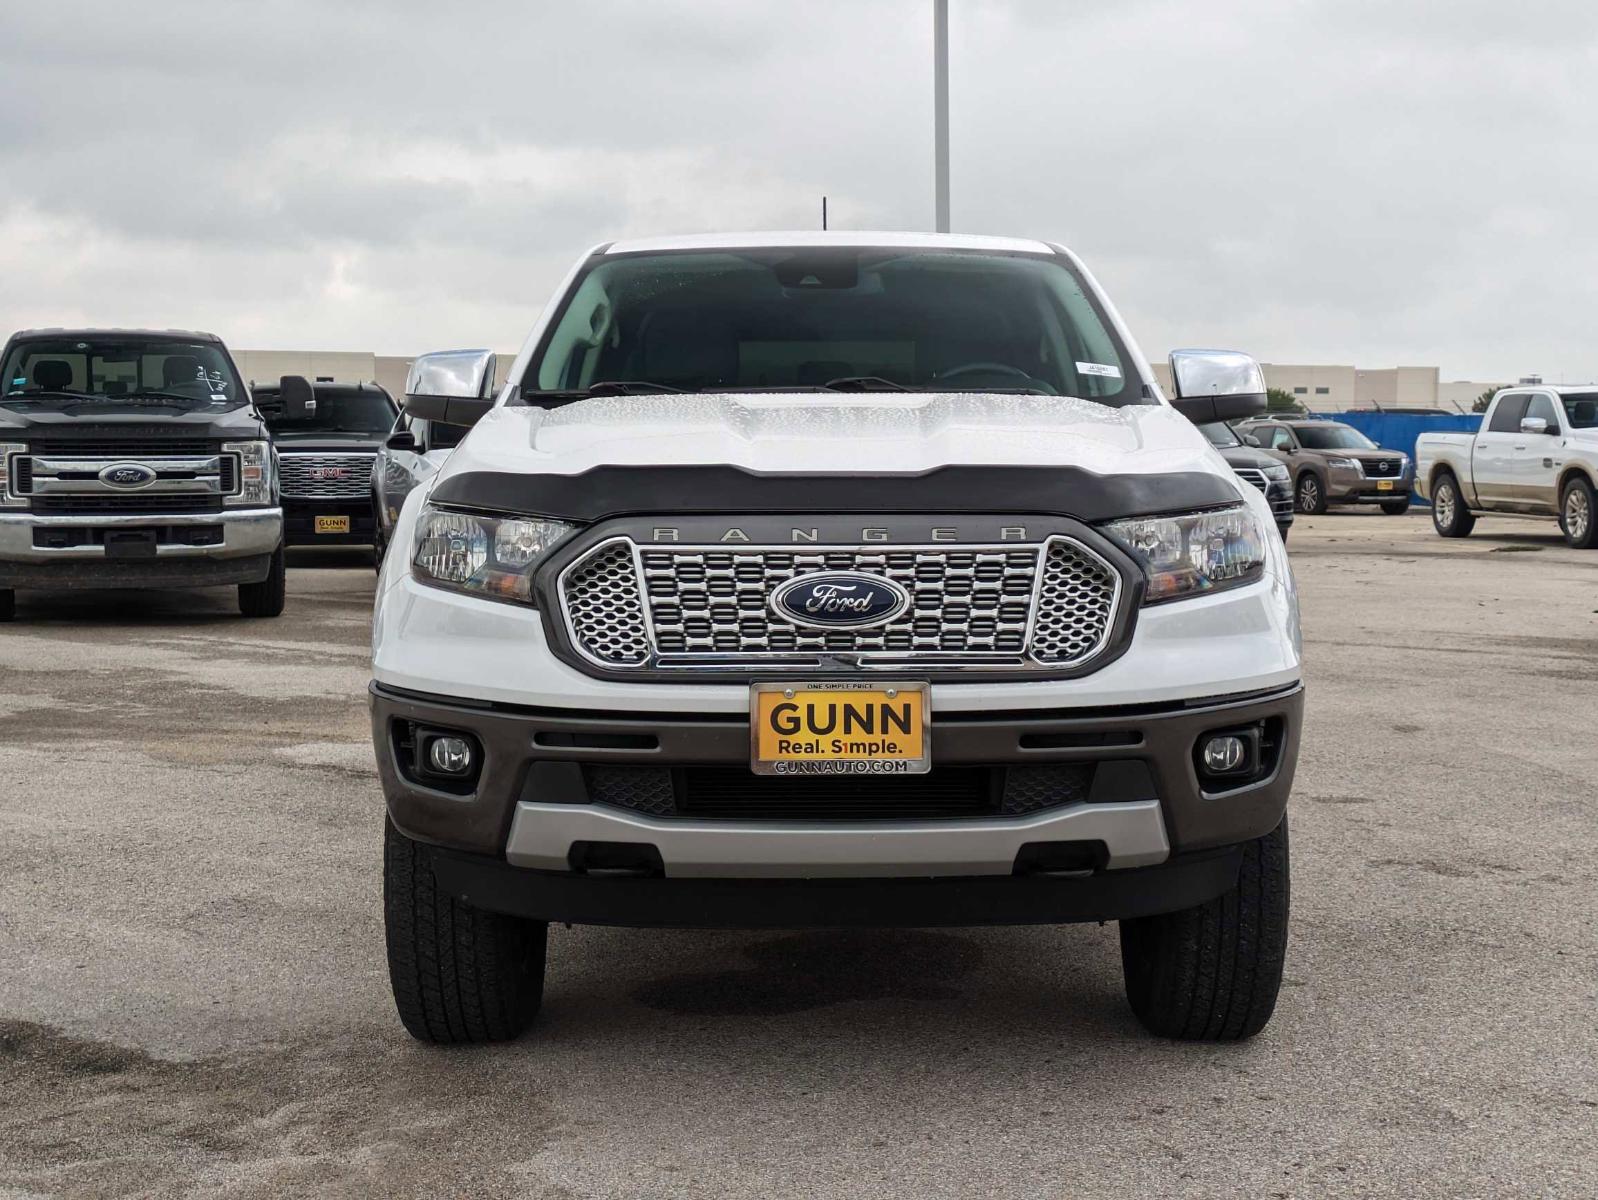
(942, 320)
(119, 368)
(1219, 433)
(1332, 437)
(1581, 410)
(343, 411)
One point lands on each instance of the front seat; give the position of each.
(52, 375)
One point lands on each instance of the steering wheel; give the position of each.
(988, 368)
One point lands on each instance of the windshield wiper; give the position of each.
(151, 394)
(605, 387)
(863, 383)
(67, 392)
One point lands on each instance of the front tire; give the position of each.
(1283, 530)
(1577, 512)
(1212, 973)
(265, 599)
(460, 974)
(1450, 517)
(8, 604)
(1309, 495)
(1396, 508)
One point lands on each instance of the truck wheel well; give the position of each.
(1572, 473)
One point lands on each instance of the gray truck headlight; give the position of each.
(489, 556)
(1196, 553)
(256, 486)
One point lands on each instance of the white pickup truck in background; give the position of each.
(1536, 454)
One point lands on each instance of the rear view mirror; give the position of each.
(455, 387)
(1216, 385)
(1533, 425)
(297, 396)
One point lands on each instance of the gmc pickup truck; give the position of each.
(134, 459)
(835, 579)
(1536, 453)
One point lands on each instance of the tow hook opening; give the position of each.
(639, 860)
(1061, 858)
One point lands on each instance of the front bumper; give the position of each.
(1279, 495)
(533, 806)
(1347, 486)
(189, 549)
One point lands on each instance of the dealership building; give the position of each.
(1317, 388)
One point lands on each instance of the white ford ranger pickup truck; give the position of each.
(1536, 454)
(810, 580)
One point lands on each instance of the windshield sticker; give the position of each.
(20, 381)
(1104, 369)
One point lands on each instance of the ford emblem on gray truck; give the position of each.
(835, 580)
(134, 459)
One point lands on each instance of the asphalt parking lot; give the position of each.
(193, 998)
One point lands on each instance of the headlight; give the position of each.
(1193, 554)
(493, 557)
(9, 453)
(1351, 464)
(255, 485)
(1278, 472)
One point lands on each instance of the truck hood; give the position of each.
(807, 433)
(68, 416)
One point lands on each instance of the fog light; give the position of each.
(1222, 755)
(450, 755)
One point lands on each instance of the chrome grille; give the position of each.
(61, 483)
(325, 476)
(1036, 605)
(1251, 475)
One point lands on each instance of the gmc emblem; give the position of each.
(324, 473)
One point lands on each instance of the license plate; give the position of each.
(332, 524)
(1384, 485)
(840, 729)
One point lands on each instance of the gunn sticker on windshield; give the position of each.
(1107, 370)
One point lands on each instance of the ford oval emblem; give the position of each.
(839, 600)
(127, 475)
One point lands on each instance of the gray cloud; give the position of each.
(1341, 180)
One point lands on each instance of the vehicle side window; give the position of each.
(1281, 439)
(1506, 417)
(1542, 406)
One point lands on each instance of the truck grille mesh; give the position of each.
(326, 476)
(1051, 604)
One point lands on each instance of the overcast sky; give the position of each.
(1381, 182)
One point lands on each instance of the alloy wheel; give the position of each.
(1443, 503)
(1309, 494)
(1578, 514)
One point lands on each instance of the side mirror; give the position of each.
(1216, 385)
(401, 439)
(452, 386)
(1534, 425)
(297, 396)
(1250, 440)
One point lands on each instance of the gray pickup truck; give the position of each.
(134, 459)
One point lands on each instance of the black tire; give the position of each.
(1309, 495)
(460, 974)
(1578, 513)
(8, 604)
(1212, 973)
(1450, 517)
(379, 546)
(1283, 530)
(1396, 508)
(265, 599)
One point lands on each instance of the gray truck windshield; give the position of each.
(941, 320)
(115, 368)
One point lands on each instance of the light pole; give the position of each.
(940, 110)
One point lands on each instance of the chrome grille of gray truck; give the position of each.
(325, 476)
(1041, 605)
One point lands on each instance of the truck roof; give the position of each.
(841, 238)
(1559, 389)
(176, 335)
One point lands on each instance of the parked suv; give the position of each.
(836, 579)
(1333, 463)
(132, 458)
(326, 447)
(1256, 467)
